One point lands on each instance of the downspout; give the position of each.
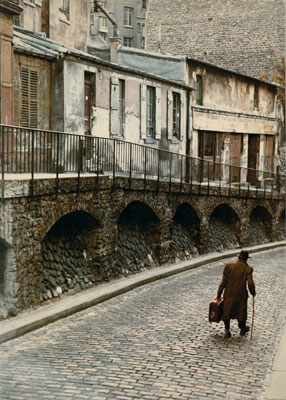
(112, 20)
(188, 138)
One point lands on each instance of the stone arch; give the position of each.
(8, 272)
(138, 238)
(71, 255)
(224, 228)
(281, 228)
(260, 226)
(185, 233)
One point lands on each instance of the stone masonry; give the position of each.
(60, 244)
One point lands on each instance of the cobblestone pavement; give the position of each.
(152, 343)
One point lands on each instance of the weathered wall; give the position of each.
(65, 244)
(31, 17)
(74, 30)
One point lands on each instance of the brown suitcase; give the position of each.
(215, 310)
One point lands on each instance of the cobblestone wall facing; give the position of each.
(61, 245)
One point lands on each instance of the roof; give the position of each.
(37, 44)
(246, 36)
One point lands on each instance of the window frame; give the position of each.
(176, 115)
(128, 17)
(127, 38)
(199, 90)
(65, 9)
(151, 112)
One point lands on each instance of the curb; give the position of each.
(34, 319)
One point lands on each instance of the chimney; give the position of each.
(114, 44)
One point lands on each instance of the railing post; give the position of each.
(32, 164)
(3, 165)
(57, 164)
(191, 187)
(170, 173)
(158, 178)
(208, 177)
(114, 160)
(181, 183)
(239, 184)
(229, 183)
(97, 163)
(130, 165)
(79, 164)
(145, 167)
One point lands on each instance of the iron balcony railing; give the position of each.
(35, 151)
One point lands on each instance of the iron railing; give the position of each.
(34, 152)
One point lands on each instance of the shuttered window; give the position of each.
(29, 94)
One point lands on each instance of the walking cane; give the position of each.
(252, 322)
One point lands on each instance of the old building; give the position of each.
(66, 21)
(64, 89)
(8, 10)
(129, 17)
(244, 36)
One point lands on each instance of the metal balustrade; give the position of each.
(34, 152)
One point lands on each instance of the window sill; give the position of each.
(175, 140)
(128, 26)
(64, 20)
(29, 3)
(150, 140)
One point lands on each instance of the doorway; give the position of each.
(253, 157)
(235, 152)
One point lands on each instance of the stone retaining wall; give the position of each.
(61, 245)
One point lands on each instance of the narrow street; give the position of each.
(152, 343)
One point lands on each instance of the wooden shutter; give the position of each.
(29, 92)
(170, 114)
(143, 109)
(158, 111)
(183, 126)
(114, 107)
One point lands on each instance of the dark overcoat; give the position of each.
(235, 277)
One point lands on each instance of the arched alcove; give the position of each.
(70, 252)
(138, 237)
(185, 233)
(224, 229)
(281, 228)
(260, 226)
(3, 265)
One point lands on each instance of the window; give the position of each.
(128, 42)
(143, 37)
(103, 35)
(256, 96)
(128, 16)
(121, 106)
(102, 24)
(210, 145)
(29, 98)
(144, 4)
(65, 8)
(199, 90)
(176, 115)
(151, 110)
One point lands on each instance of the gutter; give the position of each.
(112, 20)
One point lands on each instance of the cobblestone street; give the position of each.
(154, 342)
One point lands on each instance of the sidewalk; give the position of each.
(68, 305)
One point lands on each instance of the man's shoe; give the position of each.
(244, 331)
(227, 334)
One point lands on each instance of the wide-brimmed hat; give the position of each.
(243, 254)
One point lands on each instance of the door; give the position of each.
(88, 103)
(253, 157)
(210, 144)
(235, 152)
(269, 152)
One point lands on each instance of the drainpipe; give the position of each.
(106, 13)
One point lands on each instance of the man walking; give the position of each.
(235, 277)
